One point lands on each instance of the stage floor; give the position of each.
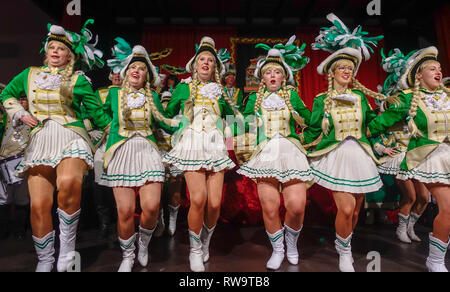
(236, 249)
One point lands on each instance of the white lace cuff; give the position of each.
(16, 122)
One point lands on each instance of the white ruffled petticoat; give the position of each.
(200, 150)
(279, 159)
(347, 168)
(435, 168)
(391, 165)
(52, 144)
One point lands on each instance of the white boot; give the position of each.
(161, 226)
(145, 236)
(173, 214)
(412, 221)
(45, 251)
(401, 232)
(68, 225)
(436, 258)
(206, 235)
(291, 244)
(196, 253)
(277, 241)
(344, 248)
(128, 255)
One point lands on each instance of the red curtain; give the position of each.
(182, 40)
(442, 23)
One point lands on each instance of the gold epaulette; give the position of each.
(407, 91)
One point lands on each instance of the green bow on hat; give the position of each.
(394, 64)
(292, 54)
(88, 56)
(339, 36)
(120, 52)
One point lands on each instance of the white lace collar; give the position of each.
(273, 102)
(211, 90)
(437, 101)
(136, 100)
(48, 81)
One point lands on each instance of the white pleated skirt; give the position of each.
(434, 169)
(200, 150)
(52, 144)
(171, 170)
(135, 163)
(279, 159)
(347, 168)
(392, 164)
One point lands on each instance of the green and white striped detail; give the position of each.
(275, 238)
(282, 176)
(69, 221)
(345, 182)
(186, 164)
(194, 237)
(343, 242)
(439, 246)
(134, 178)
(127, 244)
(81, 154)
(423, 175)
(403, 219)
(44, 244)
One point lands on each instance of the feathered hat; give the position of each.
(395, 65)
(289, 56)
(87, 54)
(138, 53)
(343, 44)
(207, 44)
(413, 63)
(120, 53)
(446, 82)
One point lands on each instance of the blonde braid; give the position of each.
(126, 111)
(189, 103)
(413, 110)
(155, 111)
(367, 92)
(66, 83)
(259, 97)
(328, 104)
(444, 88)
(286, 97)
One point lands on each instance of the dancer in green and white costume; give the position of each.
(60, 149)
(343, 160)
(394, 145)
(199, 145)
(280, 159)
(132, 160)
(424, 104)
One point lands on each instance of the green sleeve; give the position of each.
(94, 108)
(300, 107)
(370, 113)
(240, 101)
(107, 105)
(315, 126)
(180, 93)
(395, 113)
